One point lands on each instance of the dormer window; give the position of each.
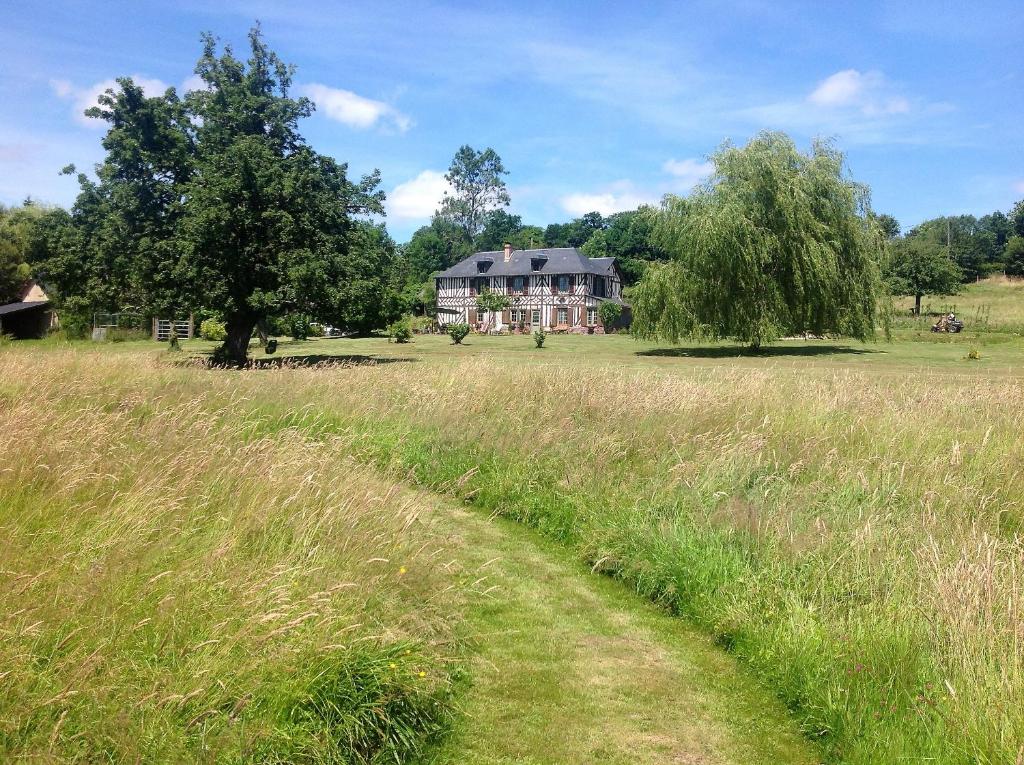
(483, 265)
(536, 264)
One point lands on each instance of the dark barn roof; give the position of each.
(555, 260)
(18, 307)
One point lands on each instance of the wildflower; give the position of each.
(392, 665)
(401, 570)
(423, 674)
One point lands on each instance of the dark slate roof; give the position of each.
(16, 307)
(559, 260)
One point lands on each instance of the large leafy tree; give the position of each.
(889, 226)
(776, 243)
(16, 225)
(501, 227)
(974, 247)
(576, 232)
(1015, 256)
(216, 200)
(477, 188)
(434, 248)
(919, 266)
(627, 237)
(1017, 219)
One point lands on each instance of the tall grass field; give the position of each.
(176, 587)
(195, 561)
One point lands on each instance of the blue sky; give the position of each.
(591, 106)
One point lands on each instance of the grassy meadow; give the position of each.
(843, 518)
(174, 588)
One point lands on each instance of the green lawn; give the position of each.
(910, 351)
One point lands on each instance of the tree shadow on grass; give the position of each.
(322, 360)
(771, 351)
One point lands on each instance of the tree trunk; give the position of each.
(917, 304)
(235, 350)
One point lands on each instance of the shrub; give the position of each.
(973, 354)
(400, 331)
(458, 332)
(422, 324)
(298, 326)
(610, 313)
(539, 336)
(316, 330)
(211, 329)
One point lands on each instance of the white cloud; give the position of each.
(85, 98)
(1019, 187)
(620, 196)
(688, 172)
(354, 110)
(194, 82)
(419, 197)
(869, 92)
(842, 88)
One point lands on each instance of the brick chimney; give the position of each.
(508, 252)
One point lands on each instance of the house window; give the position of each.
(480, 286)
(482, 266)
(519, 284)
(591, 317)
(599, 288)
(537, 264)
(563, 283)
(563, 316)
(535, 316)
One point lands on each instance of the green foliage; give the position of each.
(1014, 264)
(974, 247)
(434, 248)
(610, 314)
(888, 225)
(17, 231)
(576, 232)
(627, 237)
(777, 243)
(539, 336)
(400, 331)
(214, 330)
(488, 300)
(458, 332)
(298, 326)
(1017, 219)
(477, 188)
(216, 199)
(919, 266)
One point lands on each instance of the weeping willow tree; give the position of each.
(776, 243)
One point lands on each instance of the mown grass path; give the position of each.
(570, 667)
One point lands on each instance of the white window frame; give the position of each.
(535, 316)
(591, 316)
(559, 321)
